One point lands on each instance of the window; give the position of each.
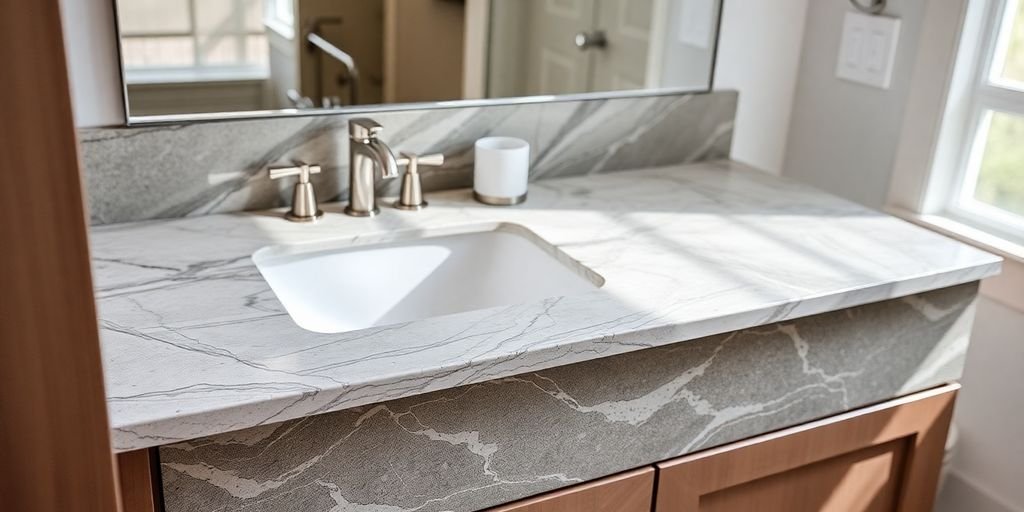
(279, 15)
(988, 189)
(188, 40)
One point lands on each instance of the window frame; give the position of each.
(275, 19)
(198, 72)
(983, 97)
(931, 138)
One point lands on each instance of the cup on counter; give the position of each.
(501, 170)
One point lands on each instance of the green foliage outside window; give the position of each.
(1001, 177)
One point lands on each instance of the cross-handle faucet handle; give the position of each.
(303, 171)
(304, 207)
(412, 189)
(363, 128)
(412, 161)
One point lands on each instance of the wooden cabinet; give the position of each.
(139, 479)
(626, 492)
(881, 458)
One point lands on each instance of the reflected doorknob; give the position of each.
(594, 39)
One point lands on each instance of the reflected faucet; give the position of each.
(366, 153)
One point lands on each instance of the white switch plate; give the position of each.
(868, 49)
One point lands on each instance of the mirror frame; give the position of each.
(165, 119)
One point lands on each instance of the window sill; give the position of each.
(1008, 287)
(964, 233)
(191, 76)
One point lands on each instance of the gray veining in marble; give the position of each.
(477, 446)
(179, 170)
(195, 343)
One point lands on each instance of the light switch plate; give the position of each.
(696, 18)
(867, 52)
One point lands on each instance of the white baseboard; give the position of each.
(959, 495)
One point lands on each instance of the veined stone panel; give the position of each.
(178, 170)
(477, 446)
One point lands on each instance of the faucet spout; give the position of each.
(384, 157)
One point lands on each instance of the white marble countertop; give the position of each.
(195, 343)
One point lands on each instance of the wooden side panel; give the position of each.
(881, 458)
(54, 437)
(139, 475)
(627, 492)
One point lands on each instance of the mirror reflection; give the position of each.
(211, 56)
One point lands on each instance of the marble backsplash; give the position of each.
(179, 170)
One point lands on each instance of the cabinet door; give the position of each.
(627, 492)
(885, 457)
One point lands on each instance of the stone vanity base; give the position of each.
(481, 445)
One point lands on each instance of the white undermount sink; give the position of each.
(338, 287)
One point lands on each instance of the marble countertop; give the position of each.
(195, 342)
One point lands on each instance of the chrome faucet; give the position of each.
(366, 153)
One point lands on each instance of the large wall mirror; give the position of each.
(194, 59)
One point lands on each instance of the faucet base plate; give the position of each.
(304, 218)
(411, 207)
(361, 213)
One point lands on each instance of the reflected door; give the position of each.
(555, 64)
(622, 64)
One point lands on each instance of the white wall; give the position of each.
(675, 63)
(91, 45)
(843, 136)
(759, 55)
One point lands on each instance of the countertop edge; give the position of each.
(130, 437)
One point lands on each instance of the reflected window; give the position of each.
(185, 40)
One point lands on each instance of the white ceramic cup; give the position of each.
(501, 170)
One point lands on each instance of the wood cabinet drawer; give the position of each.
(626, 492)
(880, 458)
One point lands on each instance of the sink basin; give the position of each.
(339, 287)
